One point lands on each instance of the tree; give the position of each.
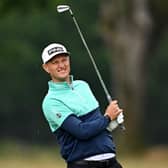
(126, 27)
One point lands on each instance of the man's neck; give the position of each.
(68, 80)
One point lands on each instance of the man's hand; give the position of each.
(113, 110)
(115, 123)
(115, 114)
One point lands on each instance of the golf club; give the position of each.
(64, 8)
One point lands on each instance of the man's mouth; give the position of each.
(61, 70)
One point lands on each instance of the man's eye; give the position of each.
(65, 60)
(53, 62)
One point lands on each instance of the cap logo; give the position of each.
(54, 50)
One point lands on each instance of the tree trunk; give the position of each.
(126, 27)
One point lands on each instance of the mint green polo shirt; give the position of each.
(65, 99)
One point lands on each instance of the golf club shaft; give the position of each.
(108, 96)
(92, 59)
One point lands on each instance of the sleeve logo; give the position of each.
(58, 115)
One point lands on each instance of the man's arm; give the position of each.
(88, 129)
(85, 130)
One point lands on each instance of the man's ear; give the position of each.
(45, 67)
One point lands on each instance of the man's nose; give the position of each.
(61, 64)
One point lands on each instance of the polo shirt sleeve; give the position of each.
(55, 113)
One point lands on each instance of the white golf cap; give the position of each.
(52, 50)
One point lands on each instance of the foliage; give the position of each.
(26, 28)
(23, 82)
(158, 95)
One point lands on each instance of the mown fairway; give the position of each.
(19, 156)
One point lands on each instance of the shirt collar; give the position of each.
(53, 86)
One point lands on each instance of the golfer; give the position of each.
(74, 115)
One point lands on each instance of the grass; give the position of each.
(25, 156)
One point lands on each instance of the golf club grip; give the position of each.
(122, 127)
(109, 98)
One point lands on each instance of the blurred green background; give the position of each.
(129, 41)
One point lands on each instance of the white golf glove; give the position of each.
(115, 123)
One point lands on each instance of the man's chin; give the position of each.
(63, 78)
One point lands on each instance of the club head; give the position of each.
(62, 8)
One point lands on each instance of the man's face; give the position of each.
(58, 68)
